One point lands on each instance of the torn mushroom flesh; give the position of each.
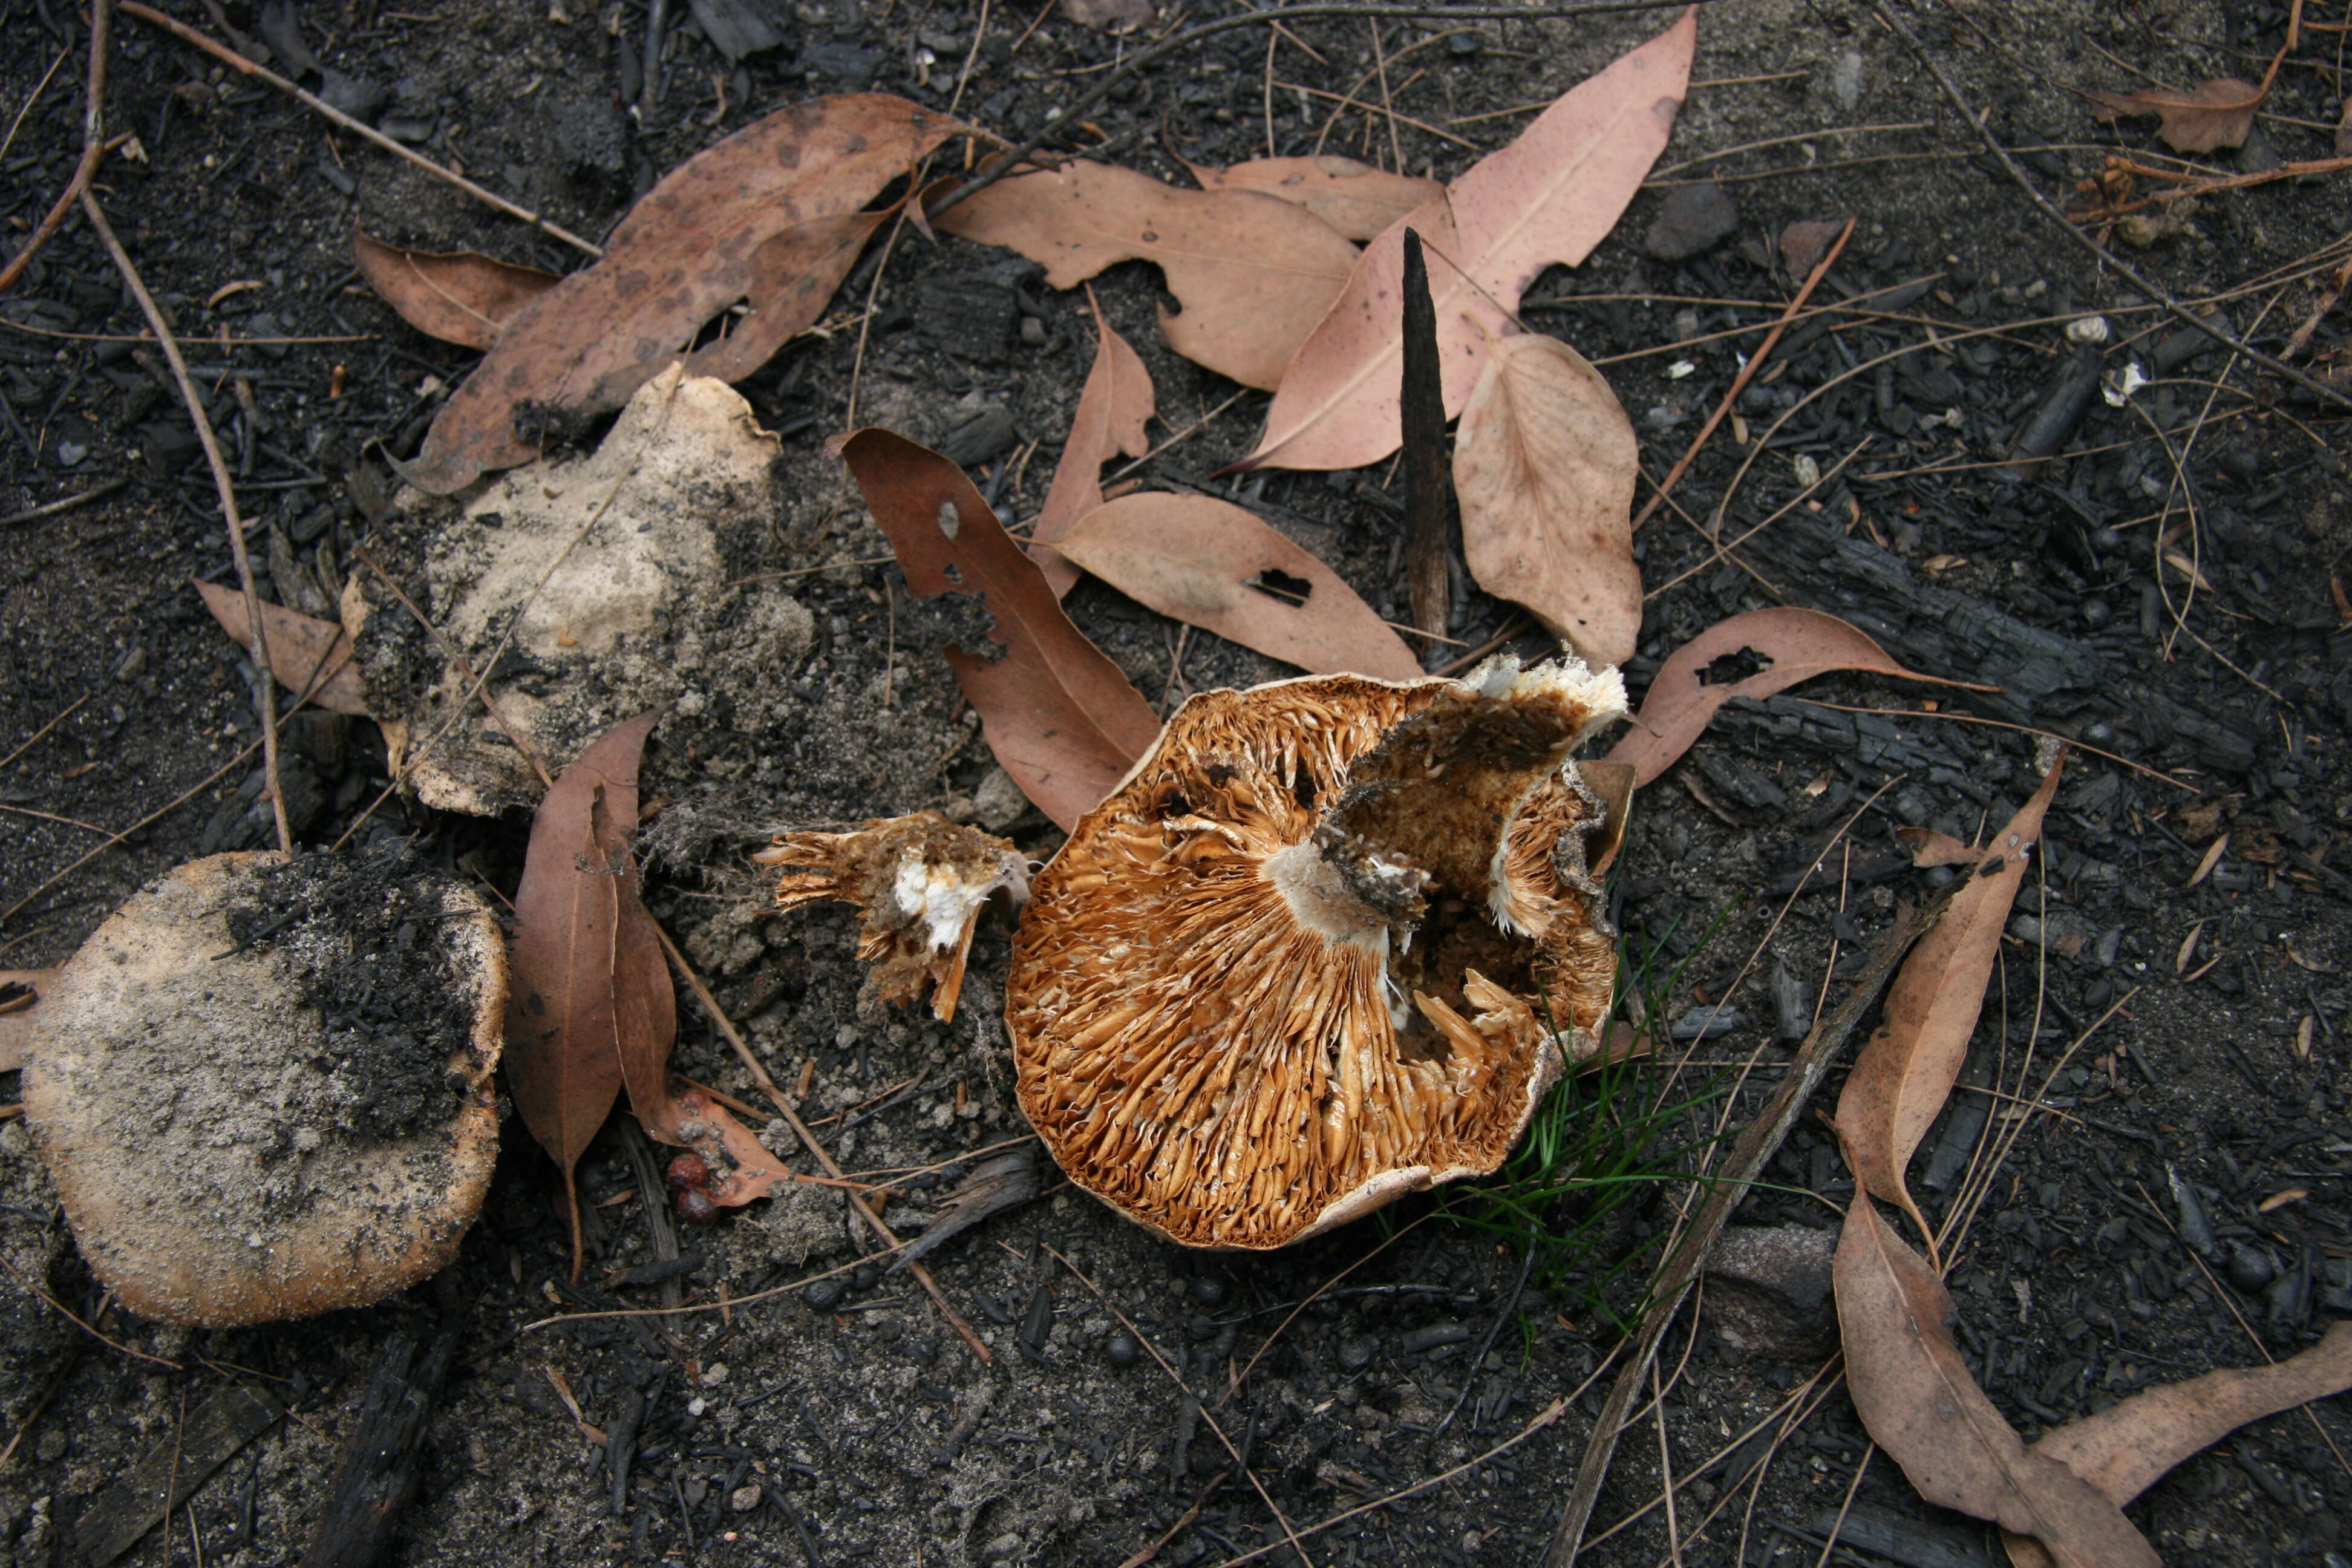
(921, 882)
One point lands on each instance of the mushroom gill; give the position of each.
(1330, 942)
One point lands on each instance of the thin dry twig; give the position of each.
(2147, 286)
(857, 1205)
(1747, 373)
(236, 61)
(93, 148)
(1680, 1269)
(266, 683)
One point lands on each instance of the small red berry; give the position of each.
(696, 1207)
(688, 1171)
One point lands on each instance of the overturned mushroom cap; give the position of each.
(264, 1086)
(1330, 942)
(919, 881)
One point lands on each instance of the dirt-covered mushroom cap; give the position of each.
(1330, 942)
(262, 1086)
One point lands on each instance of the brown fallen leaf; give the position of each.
(306, 654)
(1356, 199)
(741, 1166)
(771, 216)
(1613, 783)
(1254, 274)
(562, 1065)
(20, 994)
(644, 1003)
(2217, 113)
(1550, 196)
(920, 883)
(460, 297)
(1058, 713)
(1906, 1072)
(1917, 1401)
(2124, 1449)
(1544, 462)
(1207, 562)
(1113, 408)
(1791, 643)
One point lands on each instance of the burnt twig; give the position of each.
(1430, 504)
(383, 1458)
(1680, 1271)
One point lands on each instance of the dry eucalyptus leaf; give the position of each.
(771, 215)
(461, 297)
(2124, 1449)
(1113, 408)
(2218, 113)
(1356, 199)
(1252, 274)
(1917, 1401)
(306, 654)
(1209, 563)
(1058, 713)
(1550, 196)
(1544, 462)
(1906, 1072)
(1790, 644)
(563, 1067)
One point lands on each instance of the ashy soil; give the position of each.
(2174, 1198)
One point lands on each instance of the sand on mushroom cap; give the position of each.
(1330, 942)
(264, 1086)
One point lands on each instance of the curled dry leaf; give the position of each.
(460, 297)
(1906, 1072)
(919, 883)
(1207, 562)
(563, 1065)
(1791, 645)
(1544, 463)
(1112, 411)
(2218, 113)
(769, 216)
(1058, 713)
(20, 995)
(2124, 1449)
(1550, 196)
(306, 654)
(1917, 1401)
(1356, 199)
(1252, 274)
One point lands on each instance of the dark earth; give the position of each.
(2151, 1135)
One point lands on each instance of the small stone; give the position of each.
(133, 664)
(1804, 243)
(2251, 1267)
(1691, 220)
(743, 1499)
(998, 802)
(69, 453)
(1209, 1291)
(1121, 1349)
(825, 1295)
(1844, 78)
(1356, 1352)
(1004, 1549)
(1033, 332)
(357, 96)
(1769, 1288)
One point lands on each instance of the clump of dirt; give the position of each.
(368, 945)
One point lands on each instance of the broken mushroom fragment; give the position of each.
(262, 1086)
(919, 881)
(1331, 940)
